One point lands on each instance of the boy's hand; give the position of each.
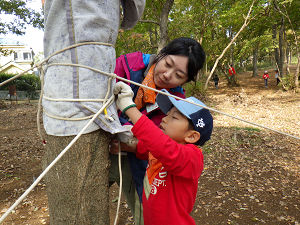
(125, 94)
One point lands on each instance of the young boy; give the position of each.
(266, 77)
(174, 161)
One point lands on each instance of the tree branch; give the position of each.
(246, 22)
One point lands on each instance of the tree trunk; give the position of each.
(287, 59)
(255, 54)
(77, 186)
(296, 75)
(276, 50)
(281, 51)
(231, 49)
(164, 18)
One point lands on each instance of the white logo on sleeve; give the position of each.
(200, 123)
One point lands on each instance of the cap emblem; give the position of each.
(200, 123)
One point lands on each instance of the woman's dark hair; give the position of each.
(185, 47)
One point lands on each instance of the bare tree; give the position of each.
(246, 22)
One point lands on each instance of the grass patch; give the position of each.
(250, 129)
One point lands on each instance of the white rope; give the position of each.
(138, 84)
(120, 185)
(55, 161)
(73, 99)
(68, 119)
(105, 104)
(176, 97)
(46, 60)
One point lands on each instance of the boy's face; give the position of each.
(176, 126)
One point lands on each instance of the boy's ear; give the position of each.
(192, 136)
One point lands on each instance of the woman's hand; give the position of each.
(114, 147)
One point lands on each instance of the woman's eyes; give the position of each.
(168, 65)
(179, 76)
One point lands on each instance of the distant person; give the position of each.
(231, 72)
(216, 80)
(266, 77)
(277, 77)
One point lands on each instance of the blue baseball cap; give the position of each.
(200, 117)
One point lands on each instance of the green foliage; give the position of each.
(22, 15)
(132, 41)
(29, 83)
(288, 82)
(195, 89)
(214, 23)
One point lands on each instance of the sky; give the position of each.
(33, 37)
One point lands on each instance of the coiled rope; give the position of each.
(106, 102)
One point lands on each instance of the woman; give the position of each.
(176, 64)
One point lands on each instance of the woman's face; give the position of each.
(171, 71)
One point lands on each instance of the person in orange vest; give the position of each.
(266, 77)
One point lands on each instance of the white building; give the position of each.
(17, 57)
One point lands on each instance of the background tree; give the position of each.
(20, 16)
(215, 23)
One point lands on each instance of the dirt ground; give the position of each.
(251, 174)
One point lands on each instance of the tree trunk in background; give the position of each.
(152, 34)
(276, 50)
(164, 18)
(287, 61)
(231, 49)
(281, 50)
(296, 75)
(77, 186)
(255, 54)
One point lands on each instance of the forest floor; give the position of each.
(251, 175)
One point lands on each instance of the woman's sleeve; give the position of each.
(119, 69)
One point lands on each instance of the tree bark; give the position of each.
(163, 24)
(287, 52)
(280, 42)
(296, 75)
(231, 49)
(77, 186)
(276, 50)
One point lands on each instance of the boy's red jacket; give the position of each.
(231, 71)
(266, 76)
(170, 196)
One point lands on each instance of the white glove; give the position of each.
(127, 136)
(124, 96)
